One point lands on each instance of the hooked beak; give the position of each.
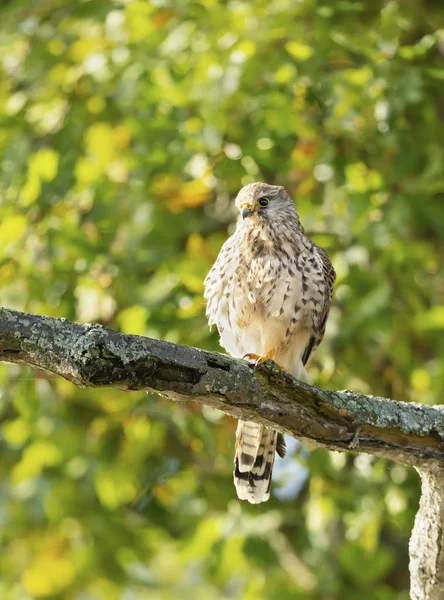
(246, 212)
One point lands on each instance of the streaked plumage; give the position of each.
(268, 293)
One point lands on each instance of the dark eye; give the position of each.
(263, 202)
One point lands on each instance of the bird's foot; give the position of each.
(267, 361)
(257, 359)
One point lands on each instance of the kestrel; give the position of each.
(269, 294)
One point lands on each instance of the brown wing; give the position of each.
(318, 333)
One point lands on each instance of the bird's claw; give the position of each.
(272, 366)
(256, 359)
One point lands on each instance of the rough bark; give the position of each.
(412, 434)
(427, 541)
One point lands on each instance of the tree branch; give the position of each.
(91, 356)
(427, 540)
(413, 434)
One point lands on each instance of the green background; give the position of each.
(126, 129)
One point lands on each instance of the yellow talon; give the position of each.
(260, 360)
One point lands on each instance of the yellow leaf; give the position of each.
(114, 488)
(138, 20)
(48, 575)
(247, 47)
(87, 171)
(307, 185)
(132, 319)
(358, 77)
(80, 49)
(420, 380)
(35, 458)
(96, 104)
(432, 319)
(44, 164)
(8, 272)
(190, 194)
(285, 73)
(299, 51)
(196, 445)
(165, 185)
(138, 430)
(11, 230)
(361, 179)
(356, 175)
(100, 143)
(122, 137)
(59, 74)
(56, 46)
(193, 124)
(31, 190)
(16, 432)
(196, 245)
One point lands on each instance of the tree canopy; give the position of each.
(126, 129)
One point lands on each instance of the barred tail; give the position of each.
(255, 450)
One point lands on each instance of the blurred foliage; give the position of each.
(126, 128)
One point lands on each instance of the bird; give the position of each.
(269, 294)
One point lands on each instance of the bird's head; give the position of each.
(257, 202)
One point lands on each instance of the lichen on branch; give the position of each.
(91, 356)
